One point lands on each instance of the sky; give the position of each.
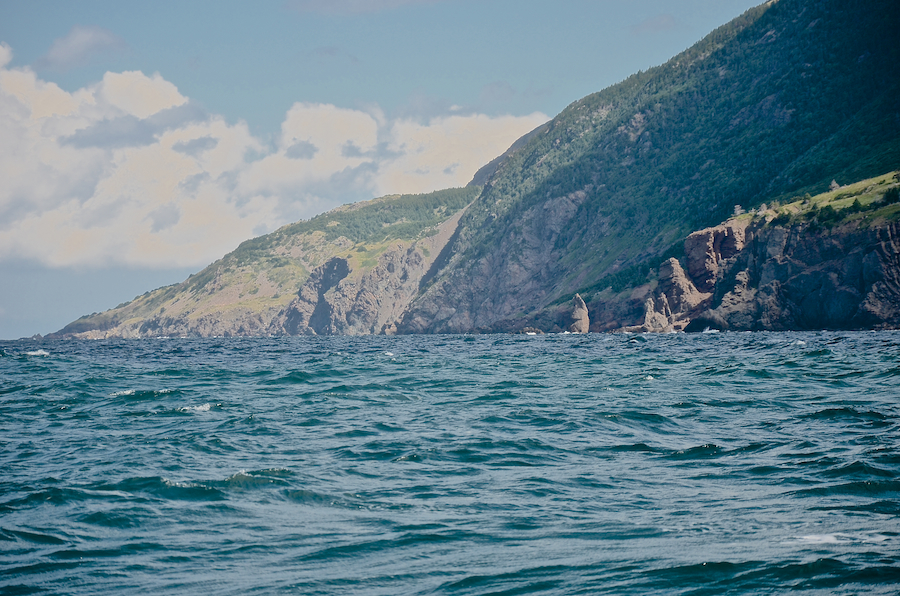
(140, 141)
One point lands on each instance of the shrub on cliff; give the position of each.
(782, 219)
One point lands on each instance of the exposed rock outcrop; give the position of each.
(790, 279)
(351, 270)
(332, 302)
(337, 299)
(706, 249)
(767, 277)
(490, 292)
(675, 300)
(310, 313)
(581, 323)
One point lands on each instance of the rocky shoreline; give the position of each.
(766, 277)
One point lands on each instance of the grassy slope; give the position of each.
(867, 203)
(263, 274)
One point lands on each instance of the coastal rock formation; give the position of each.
(352, 270)
(489, 287)
(677, 296)
(706, 249)
(581, 323)
(310, 313)
(791, 279)
(332, 302)
(780, 278)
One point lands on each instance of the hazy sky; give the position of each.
(141, 141)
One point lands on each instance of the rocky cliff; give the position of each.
(775, 104)
(350, 271)
(786, 279)
(822, 263)
(340, 299)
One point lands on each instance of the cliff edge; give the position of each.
(825, 262)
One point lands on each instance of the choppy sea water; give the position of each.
(731, 463)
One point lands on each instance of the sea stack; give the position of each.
(580, 321)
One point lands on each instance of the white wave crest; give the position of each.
(840, 538)
(202, 408)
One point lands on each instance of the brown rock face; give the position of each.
(706, 249)
(683, 296)
(765, 277)
(791, 279)
(776, 278)
(670, 307)
(657, 316)
(310, 313)
(580, 321)
(332, 302)
(338, 300)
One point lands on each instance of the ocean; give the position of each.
(715, 463)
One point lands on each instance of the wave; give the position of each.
(858, 469)
(481, 464)
(201, 408)
(870, 418)
(705, 451)
(757, 577)
(144, 394)
(9, 534)
(862, 488)
(163, 488)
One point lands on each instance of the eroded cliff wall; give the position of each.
(338, 300)
(769, 277)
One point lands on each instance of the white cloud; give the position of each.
(139, 95)
(447, 151)
(5, 54)
(128, 171)
(79, 46)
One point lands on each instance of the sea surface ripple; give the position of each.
(729, 463)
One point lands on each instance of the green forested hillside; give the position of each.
(779, 102)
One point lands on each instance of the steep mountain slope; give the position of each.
(358, 264)
(778, 102)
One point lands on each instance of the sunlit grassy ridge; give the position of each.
(867, 202)
(263, 275)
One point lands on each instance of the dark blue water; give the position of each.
(748, 463)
